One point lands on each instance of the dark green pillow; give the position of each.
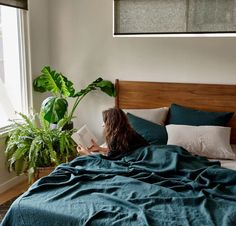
(187, 116)
(151, 132)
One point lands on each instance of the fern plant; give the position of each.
(32, 143)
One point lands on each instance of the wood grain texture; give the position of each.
(14, 191)
(209, 97)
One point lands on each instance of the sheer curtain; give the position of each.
(13, 84)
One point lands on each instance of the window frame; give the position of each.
(25, 66)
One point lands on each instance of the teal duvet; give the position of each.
(155, 185)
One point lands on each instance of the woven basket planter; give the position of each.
(43, 171)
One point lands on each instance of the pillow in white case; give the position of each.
(233, 146)
(156, 115)
(208, 141)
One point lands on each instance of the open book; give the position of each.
(84, 136)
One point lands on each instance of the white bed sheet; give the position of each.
(230, 164)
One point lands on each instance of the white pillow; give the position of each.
(208, 141)
(156, 115)
(233, 146)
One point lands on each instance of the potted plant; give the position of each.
(55, 107)
(32, 144)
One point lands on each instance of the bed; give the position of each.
(154, 185)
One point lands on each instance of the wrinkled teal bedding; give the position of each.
(155, 185)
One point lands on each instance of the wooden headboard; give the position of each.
(210, 97)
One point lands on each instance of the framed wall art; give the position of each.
(174, 16)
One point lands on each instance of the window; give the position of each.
(174, 16)
(13, 81)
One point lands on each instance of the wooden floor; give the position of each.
(13, 192)
(23, 186)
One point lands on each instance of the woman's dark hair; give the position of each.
(117, 129)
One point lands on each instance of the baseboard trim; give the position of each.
(12, 182)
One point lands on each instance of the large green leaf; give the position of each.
(54, 109)
(53, 82)
(105, 86)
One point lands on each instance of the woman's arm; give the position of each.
(82, 151)
(96, 148)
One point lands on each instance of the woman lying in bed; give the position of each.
(120, 137)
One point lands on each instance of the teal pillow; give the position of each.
(151, 132)
(187, 116)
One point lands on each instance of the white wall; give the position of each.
(39, 40)
(83, 48)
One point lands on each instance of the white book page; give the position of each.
(84, 136)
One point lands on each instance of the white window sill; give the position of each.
(4, 131)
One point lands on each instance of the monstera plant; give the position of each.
(55, 107)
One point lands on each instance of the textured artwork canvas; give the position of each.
(174, 16)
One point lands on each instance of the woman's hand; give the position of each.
(96, 148)
(82, 151)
